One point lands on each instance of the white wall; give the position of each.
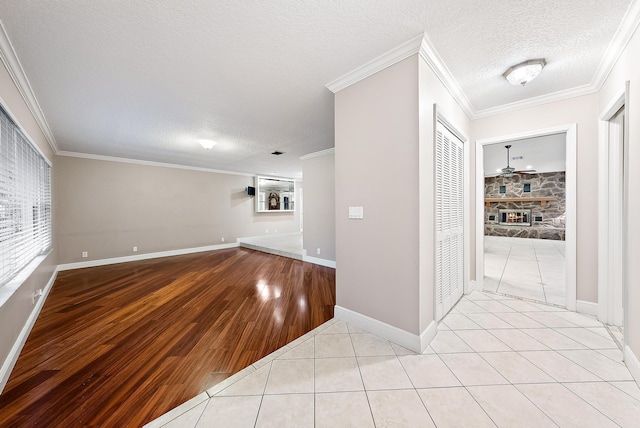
(318, 174)
(627, 68)
(584, 112)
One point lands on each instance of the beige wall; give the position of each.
(431, 91)
(15, 311)
(584, 112)
(319, 215)
(376, 131)
(106, 208)
(627, 69)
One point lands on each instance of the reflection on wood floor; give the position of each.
(120, 345)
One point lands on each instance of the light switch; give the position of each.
(356, 212)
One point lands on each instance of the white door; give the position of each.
(449, 172)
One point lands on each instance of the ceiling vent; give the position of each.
(277, 153)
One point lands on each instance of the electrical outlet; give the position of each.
(33, 298)
(318, 251)
(223, 239)
(266, 231)
(85, 254)
(135, 249)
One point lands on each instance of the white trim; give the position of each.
(148, 163)
(621, 38)
(536, 101)
(317, 261)
(429, 54)
(394, 334)
(326, 152)
(12, 357)
(587, 308)
(14, 67)
(632, 363)
(385, 60)
(571, 202)
(147, 256)
(605, 241)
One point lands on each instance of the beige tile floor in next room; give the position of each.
(530, 268)
(496, 361)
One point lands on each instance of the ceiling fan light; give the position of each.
(525, 72)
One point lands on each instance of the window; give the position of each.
(25, 200)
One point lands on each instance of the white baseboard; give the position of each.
(632, 363)
(394, 334)
(587, 308)
(318, 261)
(124, 259)
(10, 361)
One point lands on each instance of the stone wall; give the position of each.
(553, 215)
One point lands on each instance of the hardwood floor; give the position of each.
(120, 345)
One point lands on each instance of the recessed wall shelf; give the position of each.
(543, 200)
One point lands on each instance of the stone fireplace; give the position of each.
(520, 214)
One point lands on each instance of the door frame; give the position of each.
(571, 202)
(606, 242)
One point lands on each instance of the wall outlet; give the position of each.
(135, 249)
(318, 251)
(85, 254)
(223, 239)
(266, 231)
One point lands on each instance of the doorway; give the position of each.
(569, 301)
(612, 224)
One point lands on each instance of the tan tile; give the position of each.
(305, 349)
(334, 345)
(449, 342)
(517, 340)
(471, 369)
(515, 368)
(290, 376)
(252, 384)
(454, 407)
(618, 406)
(559, 367)
(286, 411)
(189, 419)
(599, 365)
(482, 341)
(564, 407)
(399, 408)
(337, 374)
(428, 371)
(507, 407)
(368, 345)
(383, 373)
(232, 412)
(343, 409)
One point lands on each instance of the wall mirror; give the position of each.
(275, 194)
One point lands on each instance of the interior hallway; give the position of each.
(496, 361)
(529, 268)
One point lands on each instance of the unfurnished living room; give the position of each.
(319, 214)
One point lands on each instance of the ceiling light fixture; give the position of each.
(207, 144)
(525, 72)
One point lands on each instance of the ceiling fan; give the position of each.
(509, 171)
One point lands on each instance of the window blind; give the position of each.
(25, 200)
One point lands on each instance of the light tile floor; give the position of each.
(528, 268)
(284, 244)
(496, 361)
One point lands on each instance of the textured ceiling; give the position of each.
(147, 79)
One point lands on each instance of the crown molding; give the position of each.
(326, 152)
(429, 54)
(12, 63)
(625, 31)
(536, 101)
(385, 60)
(148, 163)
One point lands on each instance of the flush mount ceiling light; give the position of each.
(207, 144)
(525, 72)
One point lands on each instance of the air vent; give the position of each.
(277, 153)
(516, 158)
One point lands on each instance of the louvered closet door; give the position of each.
(449, 220)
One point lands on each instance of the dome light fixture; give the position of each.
(207, 144)
(525, 72)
